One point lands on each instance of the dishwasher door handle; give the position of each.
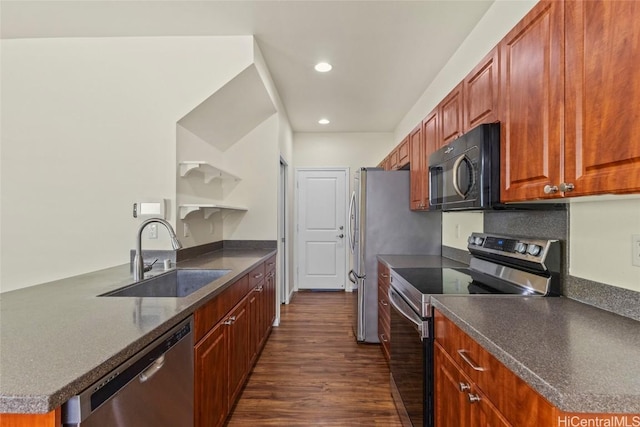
(152, 370)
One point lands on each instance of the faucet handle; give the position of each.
(149, 267)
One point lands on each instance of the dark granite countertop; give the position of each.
(580, 358)
(57, 338)
(418, 261)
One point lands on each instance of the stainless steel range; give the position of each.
(505, 265)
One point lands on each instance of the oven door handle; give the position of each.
(400, 306)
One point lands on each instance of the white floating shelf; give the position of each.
(208, 209)
(209, 171)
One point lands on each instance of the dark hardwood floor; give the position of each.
(313, 373)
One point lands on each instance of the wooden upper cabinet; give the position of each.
(403, 153)
(393, 160)
(418, 171)
(532, 94)
(481, 92)
(602, 136)
(450, 112)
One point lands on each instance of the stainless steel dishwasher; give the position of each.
(153, 388)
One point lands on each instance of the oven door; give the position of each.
(411, 363)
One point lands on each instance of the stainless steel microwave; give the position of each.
(465, 174)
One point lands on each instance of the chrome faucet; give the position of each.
(138, 262)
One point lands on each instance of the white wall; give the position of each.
(458, 226)
(334, 149)
(600, 234)
(88, 127)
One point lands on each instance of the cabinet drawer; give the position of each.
(383, 303)
(519, 403)
(270, 264)
(212, 312)
(256, 275)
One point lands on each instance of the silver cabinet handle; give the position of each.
(567, 187)
(465, 386)
(383, 302)
(463, 354)
(230, 321)
(259, 289)
(474, 398)
(271, 263)
(384, 275)
(384, 338)
(550, 189)
(152, 370)
(257, 276)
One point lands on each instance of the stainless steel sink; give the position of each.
(174, 284)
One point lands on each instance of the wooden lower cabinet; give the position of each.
(50, 419)
(211, 379)
(225, 355)
(384, 310)
(238, 360)
(459, 403)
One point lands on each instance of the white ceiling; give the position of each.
(384, 53)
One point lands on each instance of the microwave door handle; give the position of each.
(456, 185)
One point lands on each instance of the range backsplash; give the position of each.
(554, 224)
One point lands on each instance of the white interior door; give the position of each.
(322, 239)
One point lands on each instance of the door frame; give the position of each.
(296, 243)
(284, 290)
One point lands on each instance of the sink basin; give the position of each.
(174, 284)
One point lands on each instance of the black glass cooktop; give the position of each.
(458, 281)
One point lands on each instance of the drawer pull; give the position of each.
(257, 276)
(463, 354)
(474, 398)
(384, 275)
(464, 387)
(383, 302)
(259, 289)
(271, 263)
(230, 321)
(384, 339)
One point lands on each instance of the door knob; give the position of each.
(341, 236)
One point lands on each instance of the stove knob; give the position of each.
(471, 240)
(534, 250)
(478, 241)
(521, 247)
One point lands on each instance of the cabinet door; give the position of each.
(481, 92)
(450, 112)
(238, 331)
(452, 408)
(393, 160)
(255, 326)
(429, 145)
(211, 378)
(532, 92)
(602, 151)
(403, 153)
(418, 170)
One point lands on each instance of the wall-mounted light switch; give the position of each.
(635, 249)
(153, 231)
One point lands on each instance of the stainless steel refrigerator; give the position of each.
(381, 223)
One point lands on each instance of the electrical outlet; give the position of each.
(635, 249)
(187, 232)
(153, 231)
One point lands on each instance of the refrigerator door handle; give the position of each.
(352, 277)
(350, 231)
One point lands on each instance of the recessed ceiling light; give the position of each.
(324, 121)
(323, 67)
